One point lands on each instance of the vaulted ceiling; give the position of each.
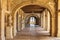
(15, 2)
(33, 8)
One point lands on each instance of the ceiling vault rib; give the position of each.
(33, 8)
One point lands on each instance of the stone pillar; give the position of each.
(23, 22)
(58, 24)
(2, 25)
(19, 22)
(3, 8)
(53, 28)
(44, 19)
(21, 19)
(48, 21)
(9, 28)
(41, 20)
(15, 30)
(23, 25)
(58, 34)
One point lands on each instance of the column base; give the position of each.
(9, 34)
(2, 38)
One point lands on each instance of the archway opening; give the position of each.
(34, 20)
(43, 13)
(35, 15)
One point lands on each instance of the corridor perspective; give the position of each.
(29, 19)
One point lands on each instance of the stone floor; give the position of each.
(36, 33)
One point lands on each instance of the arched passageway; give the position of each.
(35, 16)
(42, 15)
(16, 15)
(32, 21)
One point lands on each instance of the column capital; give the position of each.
(6, 11)
(53, 15)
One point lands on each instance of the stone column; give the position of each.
(3, 8)
(9, 28)
(2, 25)
(44, 19)
(23, 22)
(19, 22)
(58, 24)
(48, 21)
(53, 28)
(58, 34)
(21, 19)
(41, 20)
(23, 25)
(15, 30)
(10, 24)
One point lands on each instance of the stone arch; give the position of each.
(50, 7)
(30, 15)
(15, 31)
